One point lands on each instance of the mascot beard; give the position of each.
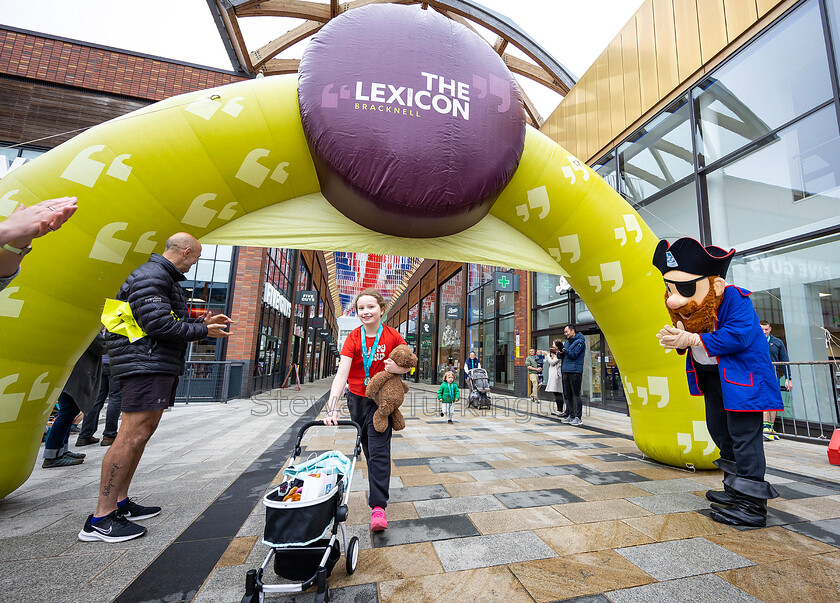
(702, 317)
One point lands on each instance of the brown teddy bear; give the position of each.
(388, 391)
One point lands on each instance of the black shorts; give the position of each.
(153, 391)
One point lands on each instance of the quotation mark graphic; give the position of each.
(198, 214)
(86, 171)
(537, 199)
(701, 434)
(10, 403)
(575, 164)
(498, 88)
(108, 248)
(254, 173)
(631, 224)
(207, 106)
(329, 99)
(657, 386)
(7, 204)
(568, 244)
(611, 271)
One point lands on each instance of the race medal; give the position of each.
(368, 354)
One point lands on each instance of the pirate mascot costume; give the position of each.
(728, 363)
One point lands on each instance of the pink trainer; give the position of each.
(378, 520)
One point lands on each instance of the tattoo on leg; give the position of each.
(106, 492)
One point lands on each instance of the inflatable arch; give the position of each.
(232, 166)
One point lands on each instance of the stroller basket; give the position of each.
(300, 523)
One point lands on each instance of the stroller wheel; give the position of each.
(352, 554)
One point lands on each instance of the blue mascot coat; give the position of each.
(748, 380)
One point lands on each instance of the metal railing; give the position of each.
(214, 381)
(811, 405)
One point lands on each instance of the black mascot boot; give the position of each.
(727, 497)
(750, 506)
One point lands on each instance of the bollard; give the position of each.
(834, 448)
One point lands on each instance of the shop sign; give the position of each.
(427, 327)
(272, 297)
(306, 298)
(453, 312)
(299, 331)
(505, 281)
(317, 322)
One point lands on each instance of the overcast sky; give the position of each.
(573, 31)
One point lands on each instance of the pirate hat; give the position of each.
(690, 256)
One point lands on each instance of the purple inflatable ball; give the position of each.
(414, 122)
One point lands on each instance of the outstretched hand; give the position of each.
(677, 338)
(27, 223)
(216, 319)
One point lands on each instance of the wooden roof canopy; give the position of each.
(544, 69)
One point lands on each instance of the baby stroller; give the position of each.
(479, 389)
(303, 535)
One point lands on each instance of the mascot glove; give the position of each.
(675, 338)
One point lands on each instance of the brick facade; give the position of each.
(38, 57)
(247, 299)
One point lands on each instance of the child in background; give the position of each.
(447, 394)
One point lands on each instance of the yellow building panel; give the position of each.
(712, 20)
(688, 37)
(630, 59)
(666, 45)
(648, 71)
(616, 68)
(578, 146)
(604, 99)
(765, 6)
(740, 14)
(591, 97)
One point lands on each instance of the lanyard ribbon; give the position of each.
(368, 354)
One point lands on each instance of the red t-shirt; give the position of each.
(389, 339)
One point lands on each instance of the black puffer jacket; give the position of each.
(160, 308)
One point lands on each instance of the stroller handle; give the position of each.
(357, 449)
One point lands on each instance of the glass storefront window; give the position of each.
(781, 75)
(658, 154)
(787, 187)
(488, 351)
(504, 354)
(451, 325)
(674, 215)
(476, 305)
(427, 318)
(411, 334)
(797, 290)
(490, 301)
(553, 316)
(550, 288)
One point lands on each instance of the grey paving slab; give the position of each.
(614, 477)
(512, 473)
(572, 445)
(448, 437)
(477, 458)
(455, 466)
(77, 568)
(682, 558)
(826, 530)
(671, 486)
(415, 493)
(537, 498)
(459, 505)
(362, 484)
(794, 490)
(698, 589)
(574, 469)
(670, 503)
(613, 458)
(29, 523)
(586, 599)
(423, 460)
(425, 529)
(495, 549)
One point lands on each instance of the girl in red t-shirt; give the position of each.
(361, 358)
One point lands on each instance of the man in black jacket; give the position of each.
(148, 370)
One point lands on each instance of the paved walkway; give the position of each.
(501, 506)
